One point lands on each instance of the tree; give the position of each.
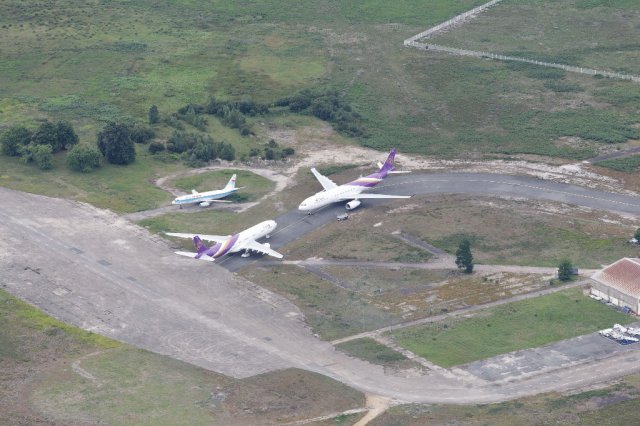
(154, 115)
(13, 139)
(565, 270)
(114, 142)
(227, 152)
(464, 258)
(637, 235)
(65, 136)
(141, 133)
(46, 134)
(83, 158)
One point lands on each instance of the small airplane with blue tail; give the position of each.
(204, 199)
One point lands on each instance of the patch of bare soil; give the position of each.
(287, 396)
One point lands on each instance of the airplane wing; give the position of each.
(367, 195)
(326, 183)
(253, 245)
(193, 255)
(216, 238)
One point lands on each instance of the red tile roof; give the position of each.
(623, 275)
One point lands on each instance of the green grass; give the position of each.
(372, 351)
(113, 61)
(16, 313)
(123, 189)
(331, 311)
(627, 164)
(511, 327)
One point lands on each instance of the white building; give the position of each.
(619, 283)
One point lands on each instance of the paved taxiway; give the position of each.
(93, 269)
(294, 224)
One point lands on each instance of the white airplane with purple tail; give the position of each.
(245, 241)
(351, 192)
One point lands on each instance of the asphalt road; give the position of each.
(294, 224)
(93, 269)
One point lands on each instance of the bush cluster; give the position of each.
(329, 106)
(38, 146)
(272, 151)
(197, 148)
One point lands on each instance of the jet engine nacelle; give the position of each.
(352, 204)
(205, 204)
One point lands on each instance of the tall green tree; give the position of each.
(65, 136)
(46, 134)
(13, 139)
(565, 270)
(154, 115)
(114, 142)
(464, 258)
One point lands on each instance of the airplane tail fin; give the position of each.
(232, 182)
(388, 164)
(201, 247)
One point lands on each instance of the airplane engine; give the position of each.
(352, 204)
(205, 204)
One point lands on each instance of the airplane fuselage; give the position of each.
(348, 191)
(203, 197)
(236, 242)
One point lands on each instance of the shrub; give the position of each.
(13, 139)
(83, 158)
(155, 147)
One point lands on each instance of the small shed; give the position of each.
(619, 283)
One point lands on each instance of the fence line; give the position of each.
(413, 42)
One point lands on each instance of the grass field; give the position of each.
(614, 404)
(40, 382)
(90, 64)
(519, 325)
(363, 299)
(504, 232)
(123, 189)
(626, 164)
(372, 351)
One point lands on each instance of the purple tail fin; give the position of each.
(200, 246)
(388, 164)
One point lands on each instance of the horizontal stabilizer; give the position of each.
(193, 256)
(393, 172)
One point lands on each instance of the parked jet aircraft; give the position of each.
(351, 191)
(204, 199)
(244, 241)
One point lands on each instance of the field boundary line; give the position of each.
(413, 42)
